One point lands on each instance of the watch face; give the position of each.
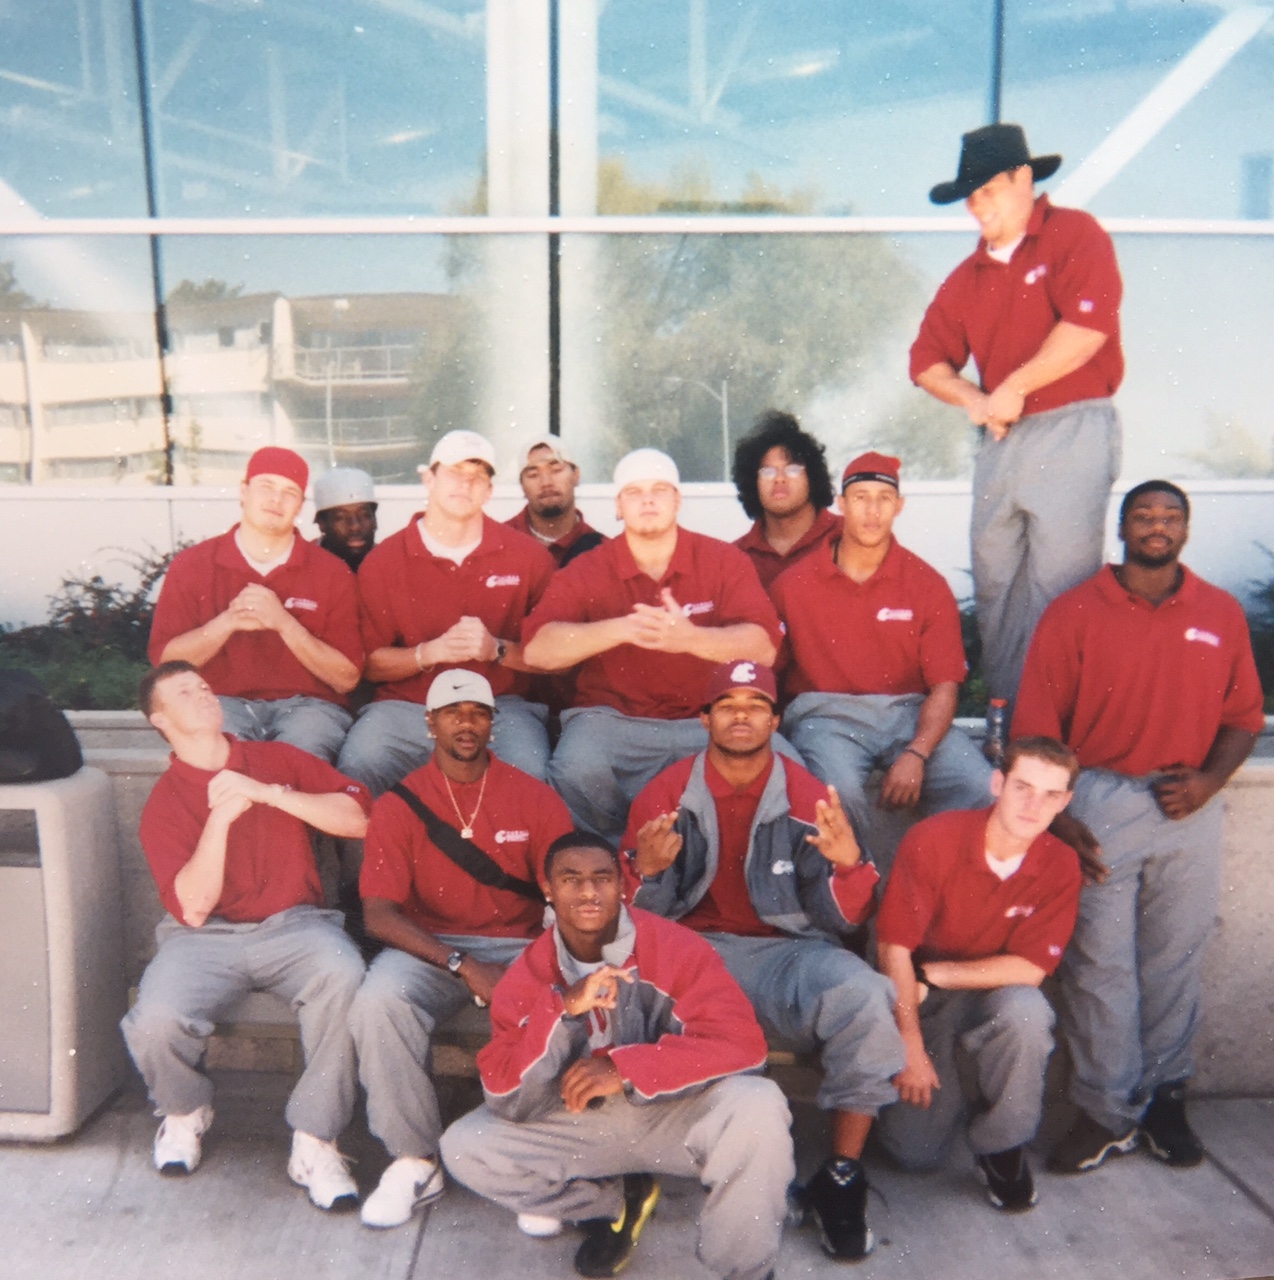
(454, 961)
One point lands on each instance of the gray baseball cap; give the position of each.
(343, 486)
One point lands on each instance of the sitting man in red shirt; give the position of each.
(876, 660)
(645, 616)
(270, 619)
(621, 1049)
(548, 476)
(979, 908)
(1146, 672)
(756, 854)
(450, 882)
(780, 474)
(226, 834)
(449, 590)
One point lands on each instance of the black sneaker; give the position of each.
(837, 1198)
(1009, 1185)
(1167, 1131)
(608, 1244)
(1087, 1145)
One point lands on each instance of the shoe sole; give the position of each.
(869, 1243)
(1119, 1147)
(174, 1169)
(1165, 1155)
(1001, 1205)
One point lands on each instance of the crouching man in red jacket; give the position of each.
(620, 1045)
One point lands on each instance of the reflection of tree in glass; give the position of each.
(1233, 451)
(12, 296)
(188, 293)
(781, 319)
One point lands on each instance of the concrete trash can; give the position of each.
(62, 987)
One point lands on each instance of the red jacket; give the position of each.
(683, 1024)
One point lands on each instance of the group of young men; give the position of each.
(615, 791)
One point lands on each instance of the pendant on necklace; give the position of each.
(467, 832)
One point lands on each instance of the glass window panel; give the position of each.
(70, 141)
(825, 106)
(79, 364)
(356, 351)
(681, 341)
(287, 107)
(1075, 76)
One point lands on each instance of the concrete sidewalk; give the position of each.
(92, 1206)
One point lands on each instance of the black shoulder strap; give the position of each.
(464, 853)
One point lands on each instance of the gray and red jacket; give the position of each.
(793, 888)
(681, 1025)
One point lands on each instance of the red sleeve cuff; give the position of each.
(853, 888)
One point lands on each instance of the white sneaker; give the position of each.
(177, 1147)
(404, 1187)
(320, 1168)
(537, 1225)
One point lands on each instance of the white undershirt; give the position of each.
(1004, 867)
(262, 567)
(443, 550)
(1004, 254)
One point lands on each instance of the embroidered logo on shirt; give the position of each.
(511, 837)
(1086, 305)
(504, 580)
(1205, 637)
(300, 602)
(782, 867)
(1016, 911)
(699, 606)
(895, 615)
(1036, 273)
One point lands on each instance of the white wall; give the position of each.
(49, 532)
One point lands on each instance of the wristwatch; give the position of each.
(501, 650)
(455, 960)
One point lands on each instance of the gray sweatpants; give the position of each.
(733, 1136)
(313, 724)
(844, 736)
(1007, 1033)
(302, 955)
(1131, 975)
(391, 738)
(1039, 522)
(393, 1017)
(820, 997)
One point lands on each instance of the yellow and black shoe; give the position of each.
(608, 1244)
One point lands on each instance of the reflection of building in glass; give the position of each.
(339, 379)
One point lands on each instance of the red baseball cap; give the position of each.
(740, 674)
(273, 461)
(871, 466)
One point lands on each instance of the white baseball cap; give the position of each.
(459, 686)
(343, 486)
(555, 446)
(646, 464)
(462, 446)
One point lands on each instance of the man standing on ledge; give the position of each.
(1146, 672)
(270, 620)
(1037, 307)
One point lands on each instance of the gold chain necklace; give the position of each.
(466, 828)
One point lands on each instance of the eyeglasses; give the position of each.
(790, 471)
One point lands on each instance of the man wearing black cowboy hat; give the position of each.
(1036, 305)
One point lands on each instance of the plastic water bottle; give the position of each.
(996, 730)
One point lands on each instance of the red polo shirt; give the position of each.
(769, 564)
(944, 902)
(316, 588)
(898, 632)
(560, 549)
(269, 860)
(515, 822)
(410, 595)
(1135, 688)
(712, 581)
(727, 906)
(1000, 313)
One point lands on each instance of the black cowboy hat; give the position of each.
(986, 152)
